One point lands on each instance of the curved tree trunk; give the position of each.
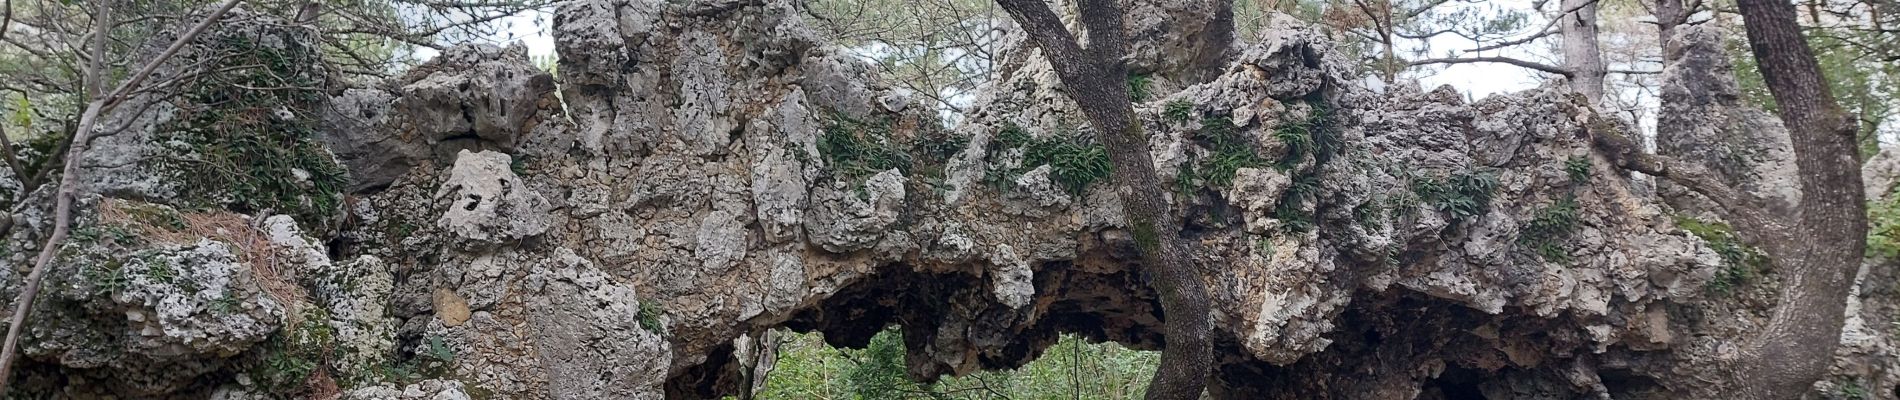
(1818, 250)
(1094, 78)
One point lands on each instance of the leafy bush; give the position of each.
(293, 354)
(1578, 168)
(854, 150)
(1291, 211)
(650, 313)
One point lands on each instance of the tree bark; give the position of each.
(1094, 79)
(1582, 57)
(1820, 252)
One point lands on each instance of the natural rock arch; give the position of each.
(717, 172)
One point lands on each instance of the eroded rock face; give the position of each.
(719, 173)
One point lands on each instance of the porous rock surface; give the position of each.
(690, 195)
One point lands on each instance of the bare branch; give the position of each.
(1504, 60)
(69, 179)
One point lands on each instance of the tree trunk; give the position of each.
(1094, 80)
(1578, 27)
(1819, 248)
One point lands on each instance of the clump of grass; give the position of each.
(1073, 163)
(854, 150)
(1140, 87)
(1291, 211)
(1310, 136)
(1179, 111)
(1462, 195)
(1739, 261)
(1549, 230)
(1369, 214)
(291, 356)
(1228, 153)
(1578, 167)
(650, 313)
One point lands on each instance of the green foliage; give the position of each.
(1072, 368)
(1179, 111)
(1291, 211)
(439, 351)
(1311, 136)
(1883, 227)
(1578, 168)
(292, 355)
(1549, 230)
(1369, 214)
(1463, 195)
(854, 150)
(254, 146)
(1228, 153)
(650, 313)
(159, 269)
(107, 278)
(1139, 87)
(879, 370)
(1739, 261)
(226, 304)
(1851, 390)
(1073, 162)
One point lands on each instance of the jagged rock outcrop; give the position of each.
(718, 172)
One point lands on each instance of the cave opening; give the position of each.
(945, 329)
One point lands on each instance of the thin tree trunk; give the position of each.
(1819, 255)
(69, 176)
(1094, 79)
(1581, 53)
(1385, 30)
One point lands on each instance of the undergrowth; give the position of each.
(1549, 229)
(855, 149)
(1739, 261)
(251, 138)
(1463, 195)
(1073, 163)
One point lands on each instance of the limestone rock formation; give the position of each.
(716, 171)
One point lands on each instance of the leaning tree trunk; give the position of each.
(1820, 244)
(1094, 78)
